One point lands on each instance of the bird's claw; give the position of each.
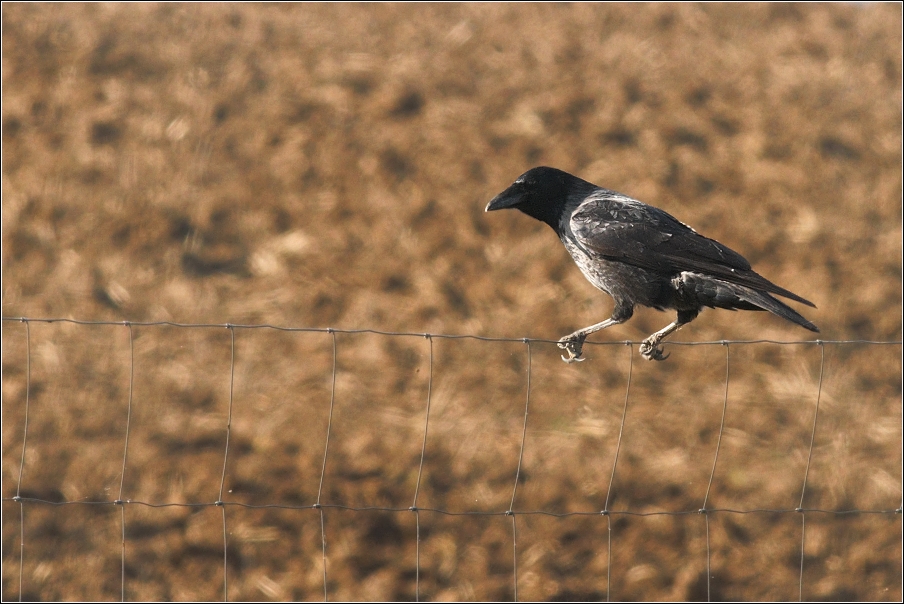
(571, 359)
(573, 346)
(652, 351)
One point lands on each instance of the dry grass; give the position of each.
(328, 165)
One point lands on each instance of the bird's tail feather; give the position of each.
(767, 302)
(722, 294)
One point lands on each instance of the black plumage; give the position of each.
(639, 254)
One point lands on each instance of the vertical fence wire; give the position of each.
(608, 556)
(712, 474)
(219, 501)
(326, 449)
(18, 496)
(803, 490)
(420, 471)
(621, 430)
(511, 510)
(125, 455)
(323, 550)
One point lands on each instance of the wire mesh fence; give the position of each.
(395, 456)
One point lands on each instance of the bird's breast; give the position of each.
(597, 270)
(627, 284)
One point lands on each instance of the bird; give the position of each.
(641, 255)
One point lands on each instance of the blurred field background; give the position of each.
(328, 165)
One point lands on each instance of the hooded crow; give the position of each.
(639, 254)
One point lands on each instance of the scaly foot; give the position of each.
(652, 351)
(573, 345)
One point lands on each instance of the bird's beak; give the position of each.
(507, 199)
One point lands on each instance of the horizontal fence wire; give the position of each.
(419, 334)
(511, 512)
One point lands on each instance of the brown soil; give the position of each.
(328, 165)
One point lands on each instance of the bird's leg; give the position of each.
(573, 344)
(650, 348)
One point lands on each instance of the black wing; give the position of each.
(625, 230)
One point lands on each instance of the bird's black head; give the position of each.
(540, 193)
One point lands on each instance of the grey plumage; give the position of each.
(639, 254)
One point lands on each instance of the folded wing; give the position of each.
(625, 230)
